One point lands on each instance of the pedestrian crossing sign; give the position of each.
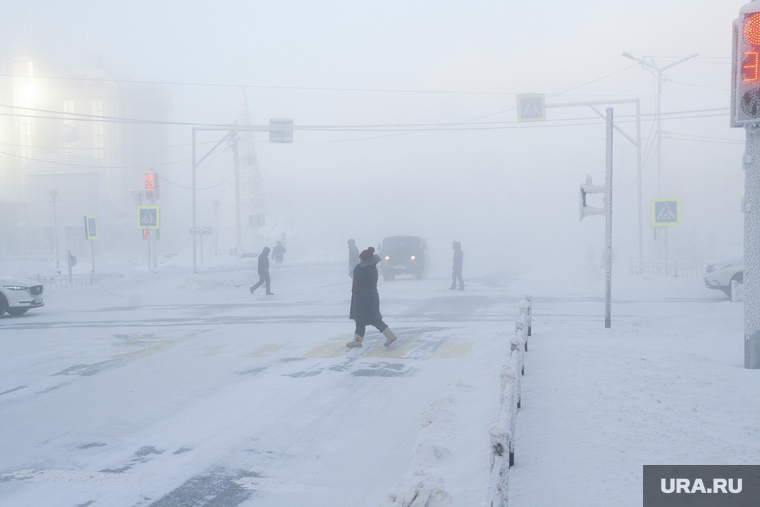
(147, 217)
(666, 212)
(531, 107)
(90, 227)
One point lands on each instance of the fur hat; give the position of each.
(367, 254)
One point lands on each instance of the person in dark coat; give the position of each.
(353, 257)
(263, 271)
(365, 301)
(278, 252)
(457, 269)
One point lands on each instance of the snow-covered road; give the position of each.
(169, 390)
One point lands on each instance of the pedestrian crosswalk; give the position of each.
(408, 346)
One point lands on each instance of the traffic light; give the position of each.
(745, 78)
(145, 234)
(149, 186)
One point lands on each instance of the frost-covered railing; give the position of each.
(669, 268)
(60, 281)
(503, 432)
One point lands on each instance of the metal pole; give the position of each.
(238, 235)
(201, 249)
(216, 227)
(752, 247)
(658, 134)
(68, 262)
(149, 262)
(608, 224)
(55, 238)
(195, 267)
(638, 183)
(92, 253)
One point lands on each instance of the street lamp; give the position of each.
(53, 194)
(660, 84)
(216, 226)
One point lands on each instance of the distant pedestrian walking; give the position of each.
(278, 252)
(456, 273)
(263, 271)
(353, 257)
(365, 300)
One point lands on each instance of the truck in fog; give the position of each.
(403, 255)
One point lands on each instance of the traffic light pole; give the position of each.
(636, 142)
(745, 112)
(752, 247)
(608, 224)
(585, 210)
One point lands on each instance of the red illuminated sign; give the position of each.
(750, 66)
(149, 181)
(145, 234)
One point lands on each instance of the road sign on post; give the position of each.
(745, 112)
(90, 227)
(280, 130)
(91, 233)
(666, 212)
(531, 107)
(148, 217)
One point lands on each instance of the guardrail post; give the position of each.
(500, 462)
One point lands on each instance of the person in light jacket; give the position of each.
(263, 271)
(365, 300)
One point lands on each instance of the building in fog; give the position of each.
(65, 127)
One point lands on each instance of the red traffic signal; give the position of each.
(152, 187)
(745, 79)
(145, 234)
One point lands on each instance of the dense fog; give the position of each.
(508, 191)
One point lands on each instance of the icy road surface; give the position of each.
(168, 390)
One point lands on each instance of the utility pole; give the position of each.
(216, 227)
(54, 193)
(285, 135)
(659, 74)
(238, 231)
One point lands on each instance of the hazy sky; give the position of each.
(509, 194)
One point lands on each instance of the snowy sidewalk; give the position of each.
(666, 385)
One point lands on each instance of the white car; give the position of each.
(18, 295)
(720, 275)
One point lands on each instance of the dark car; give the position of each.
(403, 255)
